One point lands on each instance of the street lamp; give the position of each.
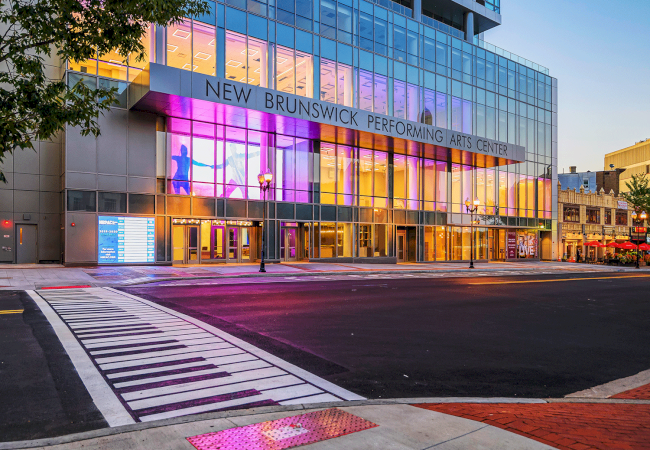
(471, 210)
(265, 183)
(638, 218)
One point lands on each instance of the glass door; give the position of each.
(193, 245)
(217, 238)
(401, 245)
(186, 244)
(245, 240)
(233, 244)
(289, 241)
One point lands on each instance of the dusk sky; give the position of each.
(599, 50)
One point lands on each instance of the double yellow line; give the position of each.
(560, 279)
(11, 311)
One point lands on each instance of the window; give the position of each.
(112, 202)
(621, 218)
(593, 215)
(608, 217)
(571, 214)
(81, 201)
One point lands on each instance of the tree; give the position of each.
(638, 194)
(33, 107)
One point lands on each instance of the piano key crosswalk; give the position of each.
(162, 364)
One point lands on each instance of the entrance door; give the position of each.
(402, 249)
(233, 244)
(289, 247)
(186, 242)
(26, 252)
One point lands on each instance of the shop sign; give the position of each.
(622, 204)
(511, 244)
(640, 230)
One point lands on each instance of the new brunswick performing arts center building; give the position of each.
(377, 121)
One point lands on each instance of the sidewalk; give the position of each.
(39, 276)
(399, 424)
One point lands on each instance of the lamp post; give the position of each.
(638, 218)
(265, 182)
(471, 210)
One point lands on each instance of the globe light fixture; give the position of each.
(471, 208)
(264, 179)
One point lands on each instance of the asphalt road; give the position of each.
(511, 337)
(41, 394)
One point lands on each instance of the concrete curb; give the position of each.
(103, 432)
(346, 272)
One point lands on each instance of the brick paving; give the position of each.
(567, 426)
(640, 393)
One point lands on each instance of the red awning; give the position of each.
(644, 247)
(627, 246)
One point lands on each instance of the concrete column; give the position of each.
(417, 10)
(469, 27)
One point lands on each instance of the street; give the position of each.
(489, 337)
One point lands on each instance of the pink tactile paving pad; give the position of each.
(284, 433)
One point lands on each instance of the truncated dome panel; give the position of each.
(284, 433)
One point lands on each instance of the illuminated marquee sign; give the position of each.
(126, 240)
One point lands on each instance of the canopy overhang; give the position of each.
(173, 92)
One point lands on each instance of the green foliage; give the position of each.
(639, 193)
(34, 33)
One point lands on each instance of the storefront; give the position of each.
(197, 241)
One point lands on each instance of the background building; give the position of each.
(377, 120)
(634, 159)
(591, 216)
(608, 180)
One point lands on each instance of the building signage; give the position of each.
(126, 240)
(622, 204)
(274, 102)
(172, 81)
(511, 244)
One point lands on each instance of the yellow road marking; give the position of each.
(561, 279)
(11, 311)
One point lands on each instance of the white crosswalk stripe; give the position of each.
(163, 364)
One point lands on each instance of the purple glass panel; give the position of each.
(257, 150)
(441, 186)
(303, 170)
(413, 93)
(235, 163)
(285, 163)
(203, 189)
(412, 184)
(179, 164)
(346, 180)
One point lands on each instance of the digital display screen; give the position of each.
(126, 240)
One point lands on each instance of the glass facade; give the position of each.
(371, 57)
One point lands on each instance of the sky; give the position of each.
(599, 50)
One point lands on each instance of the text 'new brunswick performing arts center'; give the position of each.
(377, 121)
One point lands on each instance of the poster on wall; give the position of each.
(126, 240)
(511, 244)
(527, 246)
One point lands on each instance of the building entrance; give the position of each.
(294, 241)
(212, 241)
(496, 244)
(26, 251)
